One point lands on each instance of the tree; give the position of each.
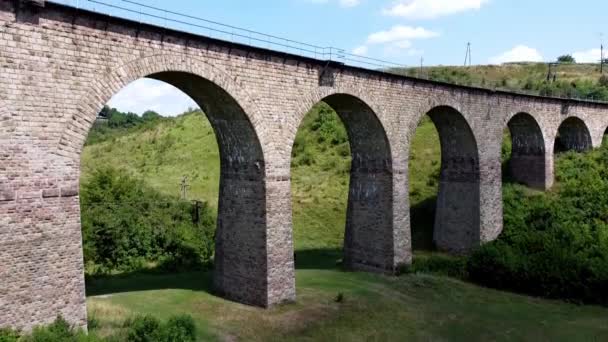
(150, 115)
(566, 59)
(105, 112)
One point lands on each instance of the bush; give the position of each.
(553, 245)
(59, 331)
(179, 328)
(149, 329)
(127, 226)
(9, 335)
(142, 329)
(137, 329)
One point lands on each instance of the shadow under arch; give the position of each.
(368, 238)
(572, 135)
(457, 216)
(241, 263)
(527, 164)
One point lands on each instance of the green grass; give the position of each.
(415, 307)
(509, 76)
(163, 154)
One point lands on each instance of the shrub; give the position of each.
(137, 329)
(142, 329)
(9, 335)
(127, 225)
(179, 329)
(149, 329)
(556, 244)
(58, 331)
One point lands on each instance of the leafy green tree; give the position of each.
(150, 115)
(566, 59)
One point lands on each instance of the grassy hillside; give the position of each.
(567, 80)
(374, 308)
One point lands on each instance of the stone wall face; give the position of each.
(58, 67)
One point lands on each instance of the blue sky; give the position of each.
(402, 31)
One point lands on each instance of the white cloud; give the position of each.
(145, 94)
(395, 40)
(360, 50)
(401, 34)
(520, 53)
(589, 56)
(430, 9)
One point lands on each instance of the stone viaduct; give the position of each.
(60, 65)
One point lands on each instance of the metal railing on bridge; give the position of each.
(145, 13)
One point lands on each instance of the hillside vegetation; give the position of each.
(564, 80)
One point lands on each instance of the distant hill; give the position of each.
(564, 80)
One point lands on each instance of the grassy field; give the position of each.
(418, 307)
(507, 76)
(415, 307)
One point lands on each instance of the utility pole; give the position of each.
(421, 67)
(467, 57)
(601, 53)
(184, 187)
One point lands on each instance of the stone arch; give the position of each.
(241, 255)
(102, 88)
(528, 154)
(458, 216)
(306, 102)
(368, 239)
(573, 134)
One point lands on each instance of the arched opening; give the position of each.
(355, 146)
(524, 156)
(455, 180)
(223, 160)
(573, 135)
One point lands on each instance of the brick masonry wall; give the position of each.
(58, 67)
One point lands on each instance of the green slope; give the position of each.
(374, 308)
(565, 80)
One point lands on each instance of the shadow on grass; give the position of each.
(148, 281)
(322, 259)
(319, 259)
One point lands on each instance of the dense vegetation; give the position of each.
(113, 123)
(127, 226)
(141, 328)
(554, 244)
